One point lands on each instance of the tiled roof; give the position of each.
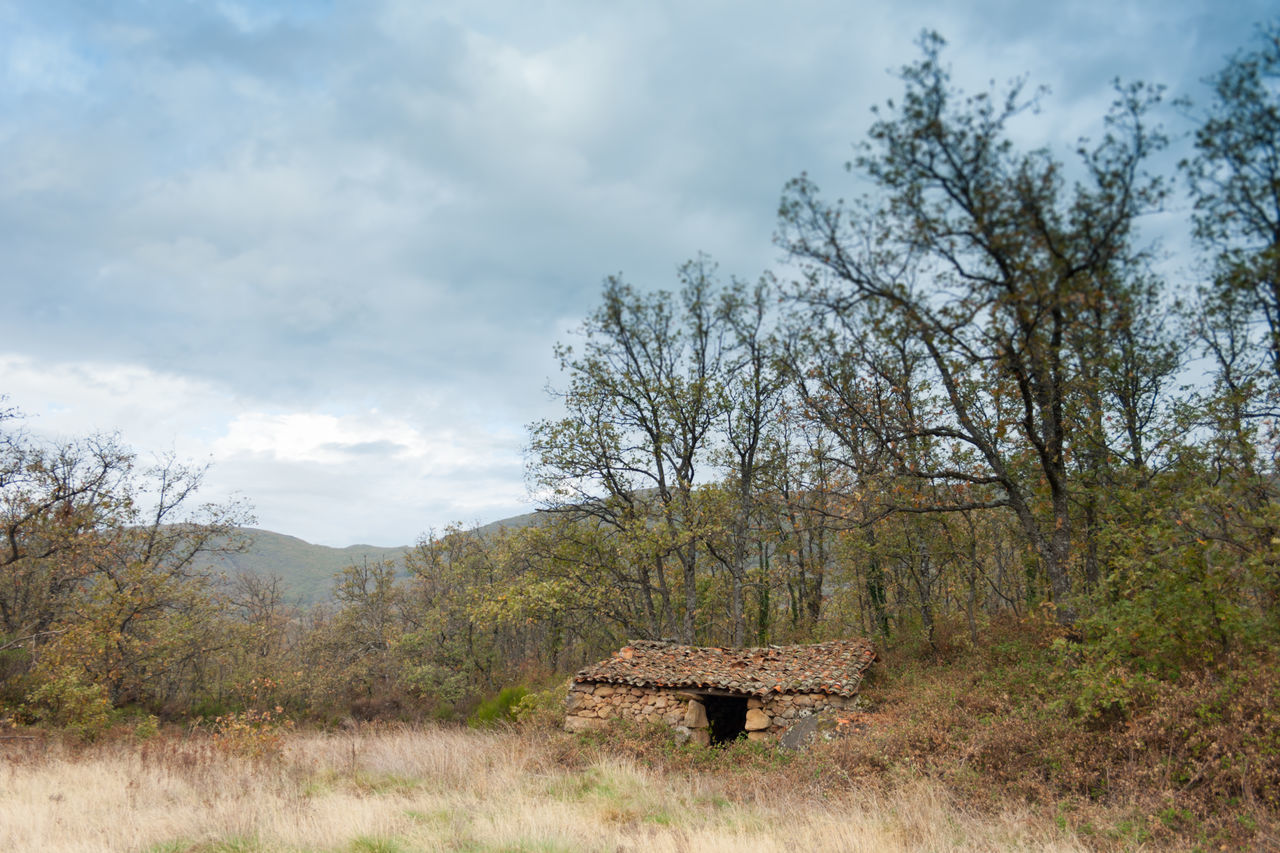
(835, 667)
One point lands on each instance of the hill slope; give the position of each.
(306, 570)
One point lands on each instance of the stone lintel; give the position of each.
(697, 693)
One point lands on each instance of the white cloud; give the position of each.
(247, 18)
(325, 439)
(46, 65)
(327, 477)
(330, 246)
(158, 411)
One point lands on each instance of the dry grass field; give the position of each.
(412, 789)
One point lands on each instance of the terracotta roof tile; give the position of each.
(835, 667)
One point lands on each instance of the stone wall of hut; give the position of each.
(592, 705)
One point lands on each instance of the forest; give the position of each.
(979, 417)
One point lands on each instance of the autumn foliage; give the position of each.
(972, 422)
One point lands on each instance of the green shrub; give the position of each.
(66, 701)
(542, 709)
(146, 727)
(442, 688)
(500, 708)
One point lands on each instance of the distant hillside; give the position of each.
(515, 522)
(307, 570)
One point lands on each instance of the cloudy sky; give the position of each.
(328, 246)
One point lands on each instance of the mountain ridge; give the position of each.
(306, 570)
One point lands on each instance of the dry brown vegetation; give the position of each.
(1191, 763)
(407, 789)
(954, 749)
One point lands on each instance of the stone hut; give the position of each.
(713, 695)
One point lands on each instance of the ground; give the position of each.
(406, 789)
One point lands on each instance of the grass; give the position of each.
(981, 749)
(457, 789)
(1194, 765)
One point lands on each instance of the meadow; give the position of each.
(437, 788)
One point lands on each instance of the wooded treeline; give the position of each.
(977, 394)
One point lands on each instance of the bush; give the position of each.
(66, 701)
(252, 734)
(500, 708)
(441, 688)
(147, 727)
(543, 709)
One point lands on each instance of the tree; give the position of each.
(52, 499)
(642, 401)
(145, 612)
(1235, 183)
(753, 390)
(259, 602)
(101, 585)
(1234, 178)
(962, 285)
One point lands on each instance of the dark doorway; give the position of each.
(726, 716)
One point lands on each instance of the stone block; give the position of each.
(577, 724)
(604, 690)
(702, 737)
(799, 735)
(695, 716)
(757, 720)
(759, 736)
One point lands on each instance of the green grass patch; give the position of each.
(438, 817)
(498, 709)
(372, 844)
(576, 787)
(531, 846)
(382, 783)
(235, 844)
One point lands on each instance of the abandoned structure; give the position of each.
(714, 695)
